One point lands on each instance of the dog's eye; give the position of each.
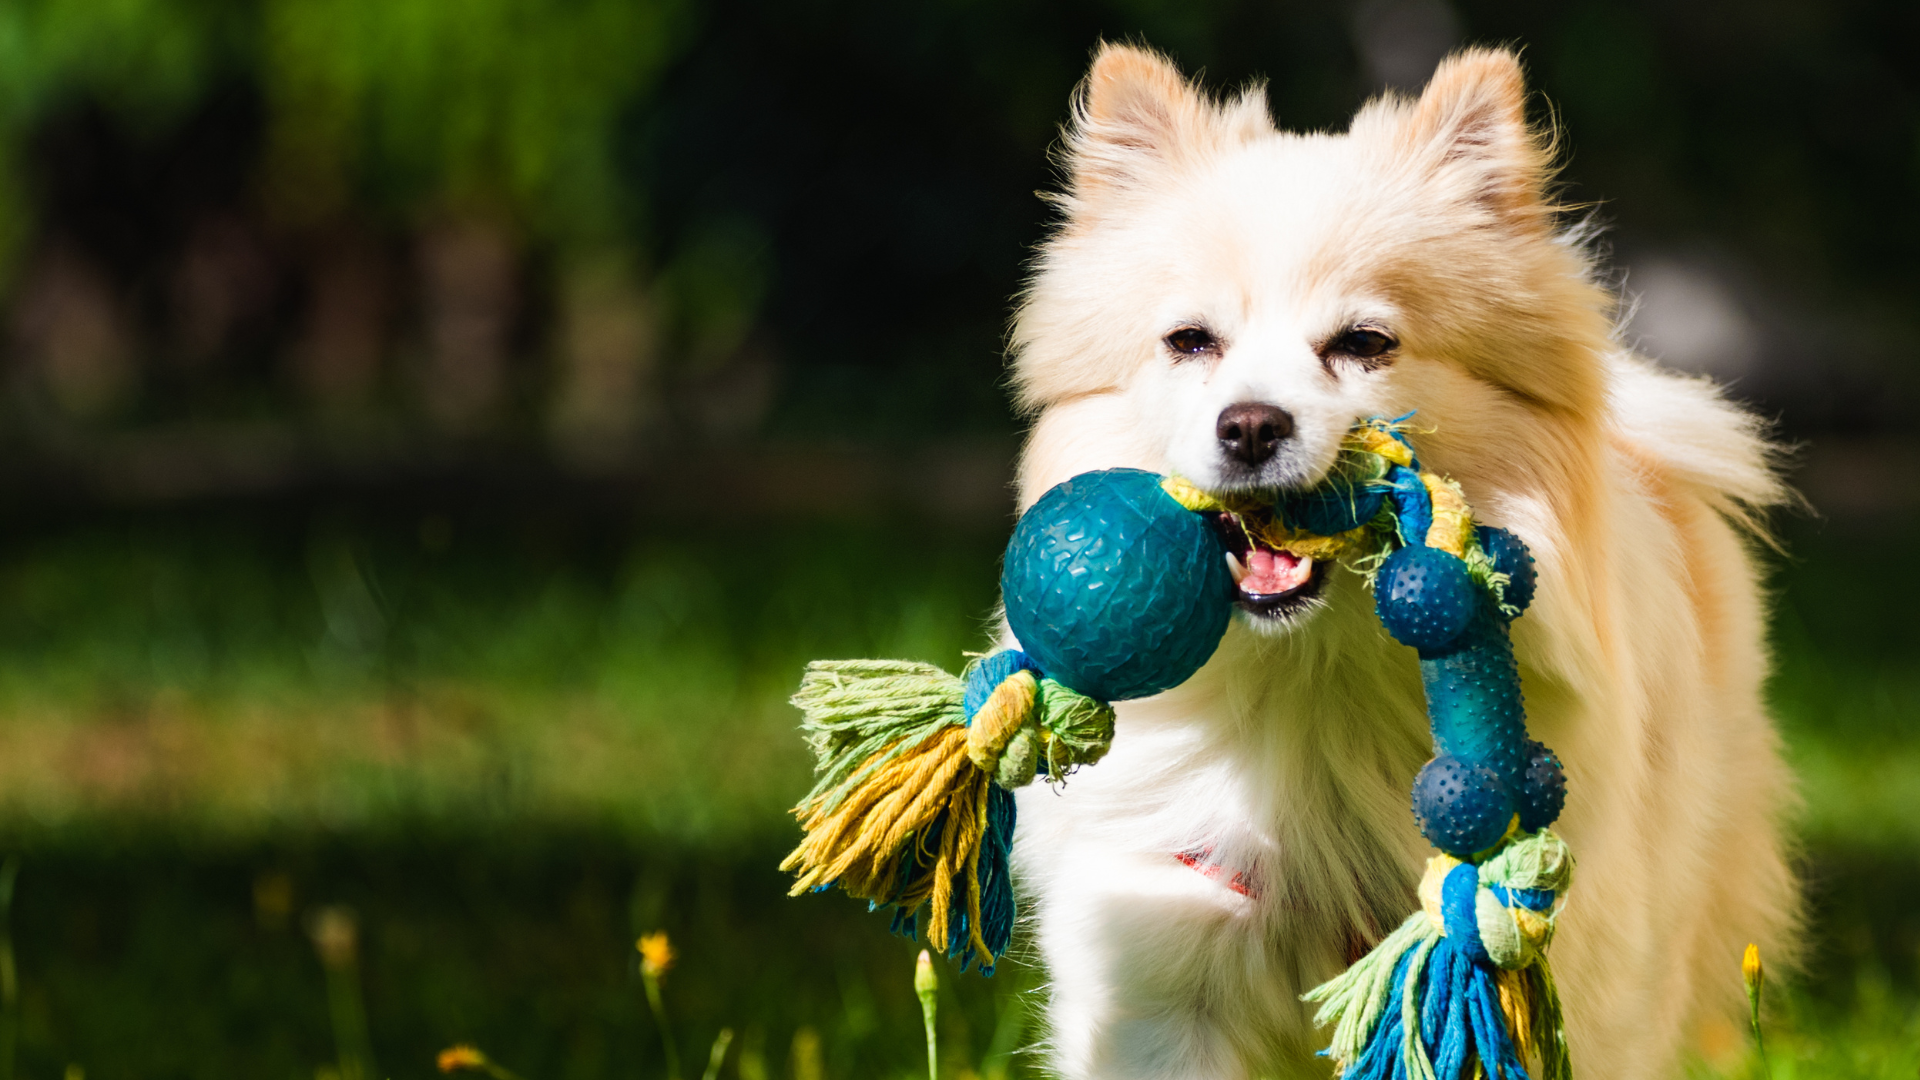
(1192, 341)
(1362, 343)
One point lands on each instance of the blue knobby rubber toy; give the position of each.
(1485, 770)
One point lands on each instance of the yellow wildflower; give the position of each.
(1755, 977)
(656, 953)
(461, 1057)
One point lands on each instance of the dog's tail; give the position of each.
(1700, 439)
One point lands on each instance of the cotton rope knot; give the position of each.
(1019, 723)
(1503, 909)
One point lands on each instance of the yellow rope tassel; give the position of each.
(861, 843)
(1190, 495)
(1377, 438)
(1516, 1005)
(960, 846)
(858, 844)
(913, 804)
(1009, 709)
(1452, 528)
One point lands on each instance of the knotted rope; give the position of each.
(913, 806)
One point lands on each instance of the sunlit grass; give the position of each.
(236, 688)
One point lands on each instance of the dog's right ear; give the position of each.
(1136, 118)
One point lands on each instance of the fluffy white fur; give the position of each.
(1292, 752)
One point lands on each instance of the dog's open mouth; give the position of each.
(1273, 583)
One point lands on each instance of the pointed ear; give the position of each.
(1470, 126)
(1135, 116)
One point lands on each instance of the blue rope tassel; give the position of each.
(1440, 1015)
(996, 878)
(1467, 989)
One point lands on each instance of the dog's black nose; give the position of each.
(1251, 431)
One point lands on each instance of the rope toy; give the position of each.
(1117, 586)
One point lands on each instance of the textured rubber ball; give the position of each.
(1543, 789)
(1424, 597)
(1462, 808)
(1332, 508)
(1113, 588)
(1510, 556)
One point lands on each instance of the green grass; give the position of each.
(240, 681)
(1847, 691)
(511, 738)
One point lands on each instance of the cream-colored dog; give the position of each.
(1222, 300)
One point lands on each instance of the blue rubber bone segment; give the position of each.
(1461, 807)
(1425, 597)
(1509, 555)
(1473, 698)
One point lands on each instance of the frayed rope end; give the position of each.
(913, 806)
(1462, 988)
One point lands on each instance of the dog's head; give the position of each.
(1226, 300)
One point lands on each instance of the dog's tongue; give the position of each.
(1270, 572)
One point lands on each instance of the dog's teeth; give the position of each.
(1236, 567)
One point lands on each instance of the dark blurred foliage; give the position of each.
(891, 158)
(256, 242)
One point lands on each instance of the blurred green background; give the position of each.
(433, 436)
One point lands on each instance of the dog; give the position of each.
(1222, 301)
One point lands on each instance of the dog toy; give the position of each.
(1117, 587)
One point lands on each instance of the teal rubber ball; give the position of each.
(1115, 589)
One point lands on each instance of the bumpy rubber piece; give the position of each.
(1113, 588)
(1473, 699)
(1424, 597)
(1462, 808)
(1334, 507)
(1543, 790)
(1510, 556)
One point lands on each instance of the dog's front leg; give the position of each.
(1160, 971)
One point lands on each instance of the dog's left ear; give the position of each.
(1469, 129)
